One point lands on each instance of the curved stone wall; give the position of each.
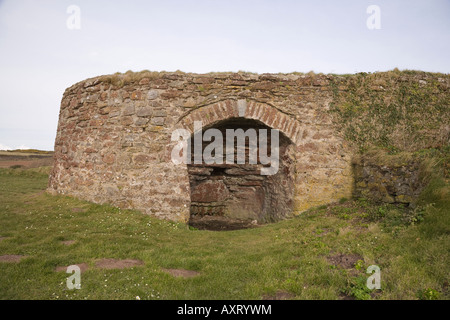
(114, 144)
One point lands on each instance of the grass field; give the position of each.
(321, 254)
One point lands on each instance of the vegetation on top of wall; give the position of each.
(120, 79)
(394, 110)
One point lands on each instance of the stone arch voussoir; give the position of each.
(227, 109)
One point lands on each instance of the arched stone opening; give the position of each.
(235, 195)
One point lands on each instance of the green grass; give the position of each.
(290, 255)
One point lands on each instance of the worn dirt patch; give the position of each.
(181, 273)
(3, 238)
(83, 267)
(118, 264)
(279, 295)
(346, 261)
(68, 242)
(77, 209)
(11, 258)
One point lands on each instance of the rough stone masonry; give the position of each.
(114, 145)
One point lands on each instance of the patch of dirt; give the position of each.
(83, 267)
(218, 223)
(77, 209)
(346, 261)
(182, 273)
(3, 238)
(11, 258)
(68, 242)
(279, 295)
(108, 263)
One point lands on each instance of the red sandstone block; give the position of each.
(105, 110)
(219, 111)
(263, 113)
(213, 114)
(74, 103)
(114, 94)
(282, 121)
(307, 147)
(103, 96)
(249, 110)
(170, 94)
(95, 123)
(228, 108)
(259, 112)
(209, 191)
(305, 134)
(270, 116)
(263, 85)
(276, 120)
(136, 95)
(125, 94)
(126, 121)
(141, 158)
(144, 81)
(292, 124)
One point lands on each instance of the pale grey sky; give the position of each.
(40, 56)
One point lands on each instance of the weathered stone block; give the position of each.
(158, 121)
(109, 158)
(144, 112)
(170, 94)
(126, 121)
(209, 191)
(128, 110)
(159, 113)
(114, 114)
(136, 95)
(152, 94)
(103, 96)
(141, 121)
(144, 81)
(142, 158)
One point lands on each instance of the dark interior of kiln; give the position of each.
(234, 196)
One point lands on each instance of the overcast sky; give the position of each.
(41, 54)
